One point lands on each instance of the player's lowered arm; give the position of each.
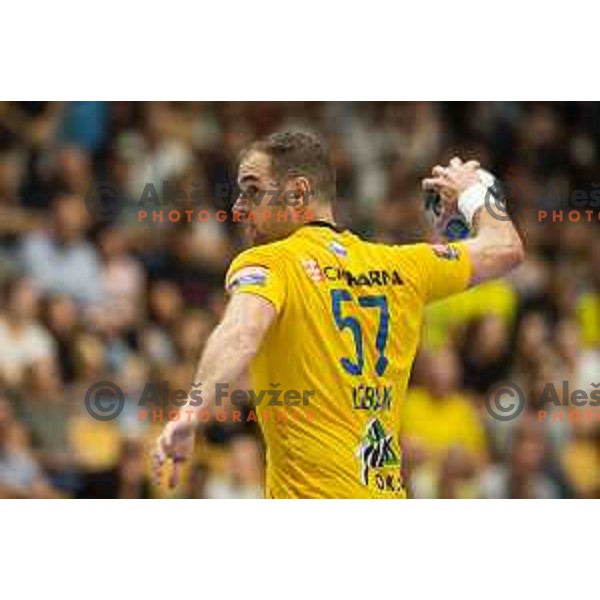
(496, 249)
(226, 357)
(231, 347)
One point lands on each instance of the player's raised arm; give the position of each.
(227, 355)
(497, 247)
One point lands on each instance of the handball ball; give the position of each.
(454, 226)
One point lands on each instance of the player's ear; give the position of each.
(302, 192)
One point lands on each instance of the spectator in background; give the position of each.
(456, 477)
(190, 334)
(153, 152)
(20, 476)
(211, 242)
(485, 353)
(438, 415)
(126, 480)
(14, 218)
(23, 340)
(62, 319)
(180, 263)
(580, 460)
(59, 259)
(84, 124)
(580, 363)
(73, 174)
(524, 476)
(45, 409)
(164, 307)
(241, 476)
(122, 279)
(588, 309)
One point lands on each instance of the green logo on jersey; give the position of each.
(376, 450)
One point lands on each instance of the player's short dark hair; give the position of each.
(296, 154)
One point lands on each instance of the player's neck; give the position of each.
(323, 214)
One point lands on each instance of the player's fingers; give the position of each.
(431, 183)
(240, 211)
(439, 171)
(241, 205)
(455, 162)
(175, 470)
(162, 451)
(472, 164)
(158, 460)
(166, 440)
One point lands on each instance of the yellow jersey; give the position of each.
(331, 373)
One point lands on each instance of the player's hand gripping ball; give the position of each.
(452, 225)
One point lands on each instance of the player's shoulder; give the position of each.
(422, 251)
(394, 251)
(265, 255)
(416, 259)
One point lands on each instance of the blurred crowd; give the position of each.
(85, 300)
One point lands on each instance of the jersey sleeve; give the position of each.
(437, 271)
(258, 271)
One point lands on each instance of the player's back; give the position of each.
(340, 351)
